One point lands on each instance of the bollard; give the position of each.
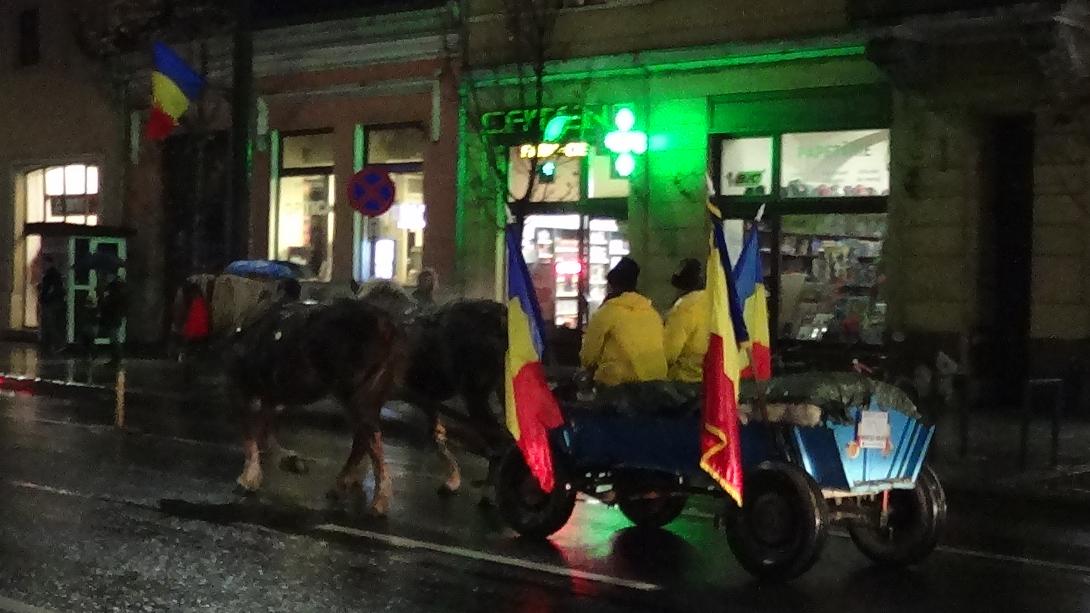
(1027, 415)
(119, 398)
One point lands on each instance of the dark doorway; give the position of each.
(1006, 256)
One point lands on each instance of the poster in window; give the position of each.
(844, 164)
(746, 167)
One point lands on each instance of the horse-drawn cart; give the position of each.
(827, 449)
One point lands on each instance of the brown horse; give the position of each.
(456, 354)
(295, 354)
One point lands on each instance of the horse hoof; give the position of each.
(250, 485)
(485, 503)
(377, 511)
(294, 464)
(447, 491)
(242, 492)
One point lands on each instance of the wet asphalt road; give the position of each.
(92, 519)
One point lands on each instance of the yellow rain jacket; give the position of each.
(687, 337)
(623, 342)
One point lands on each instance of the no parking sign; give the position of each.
(371, 191)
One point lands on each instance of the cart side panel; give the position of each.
(818, 451)
(605, 440)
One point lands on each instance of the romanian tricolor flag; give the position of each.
(530, 405)
(174, 86)
(749, 284)
(720, 444)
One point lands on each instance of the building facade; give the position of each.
(62, 161)
(918, 172)
(784, 112)
(337, 87)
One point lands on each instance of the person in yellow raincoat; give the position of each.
(623, 340)
(686, 335)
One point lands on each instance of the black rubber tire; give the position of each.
(524, 507)
(916, 521)
(653, 512)
(780, 530)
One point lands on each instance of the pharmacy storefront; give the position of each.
(575, 219)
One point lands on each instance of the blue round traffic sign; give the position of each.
(371, 191)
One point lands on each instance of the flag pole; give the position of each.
(762, 396)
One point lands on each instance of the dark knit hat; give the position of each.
(624, 275)
(689, 276)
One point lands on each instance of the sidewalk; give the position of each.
(990, 466)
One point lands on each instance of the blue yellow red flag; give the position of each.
(749, 285)
(531, 409)
(720, 442)
(174, 85)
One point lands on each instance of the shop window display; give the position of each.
(559, 251)
(301, 216)
(831, 286)
(397, 237)
(305, 223)
(824, 226)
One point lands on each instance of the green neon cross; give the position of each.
(626, 142)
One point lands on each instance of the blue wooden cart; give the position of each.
(857, 460)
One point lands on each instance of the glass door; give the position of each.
(568, 257)
(94, 260)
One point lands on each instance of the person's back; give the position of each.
(686, 337)
(624, 343)
(687, 324)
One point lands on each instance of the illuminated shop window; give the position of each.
(398, 240)
(54, 194)
(824, 227)
(303, 213)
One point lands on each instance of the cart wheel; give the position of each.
(780, 530)
(916, 519)
(524, 506)
(653, 512)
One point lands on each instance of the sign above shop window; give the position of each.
(572, 122)
(544, 150)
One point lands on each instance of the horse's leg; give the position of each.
(380, 504)
(256, 427)
(454, 473)
(289, 460)
(491, 432)
(431, 408)
(351, 476)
